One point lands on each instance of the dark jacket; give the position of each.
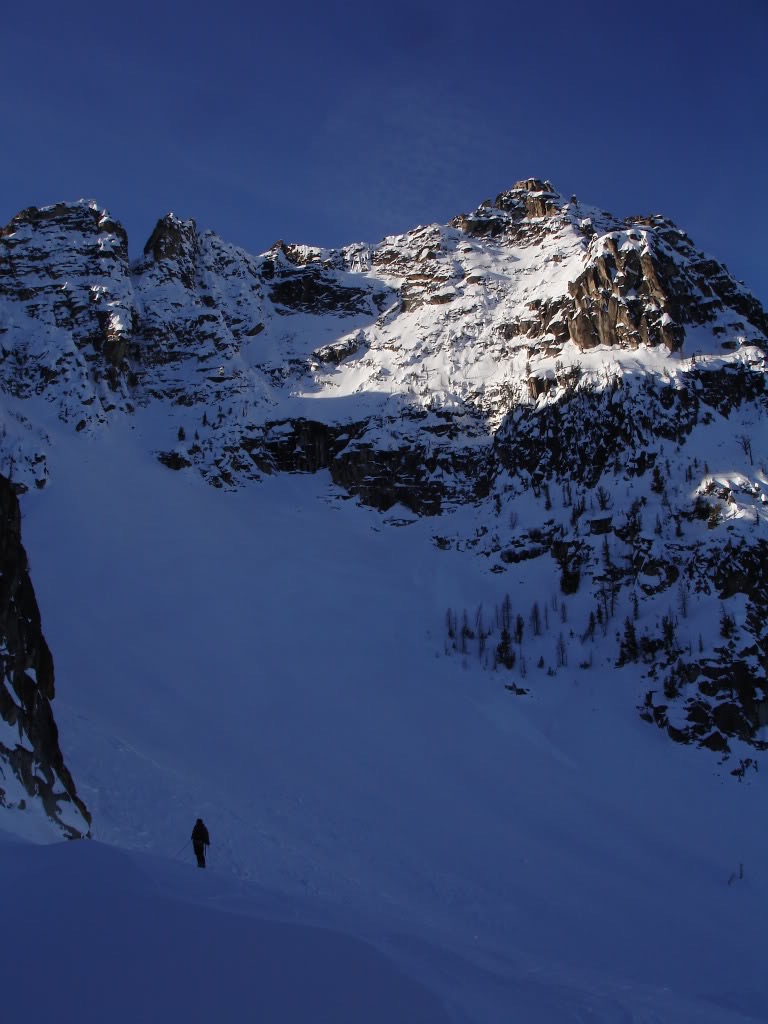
(200, 833)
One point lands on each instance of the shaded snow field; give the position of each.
(394, 835)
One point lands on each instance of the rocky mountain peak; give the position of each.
(82, 224)
(175, 241)
(530, 197)
(515, 213)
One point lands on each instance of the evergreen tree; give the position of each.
(561, 651)
(536, 619)
(519, 627)
(506, 612)
(628, 649)
(727, 624)
(668, 625)
(590, 631)
(607, 562)
(466, 633)
(505, 655)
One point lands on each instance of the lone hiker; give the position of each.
(200, 839)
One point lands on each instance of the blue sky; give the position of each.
(328, 122)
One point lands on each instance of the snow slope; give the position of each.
(273, 660)
(123, 942)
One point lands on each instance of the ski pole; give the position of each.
(182, 849)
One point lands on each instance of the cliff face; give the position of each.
(31, 761)
(567, 375)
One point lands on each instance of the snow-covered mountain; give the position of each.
(593, 387)
(404, 367)
(372, 555)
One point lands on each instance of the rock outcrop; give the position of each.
(29, 744)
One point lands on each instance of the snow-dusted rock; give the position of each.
(32, 767)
